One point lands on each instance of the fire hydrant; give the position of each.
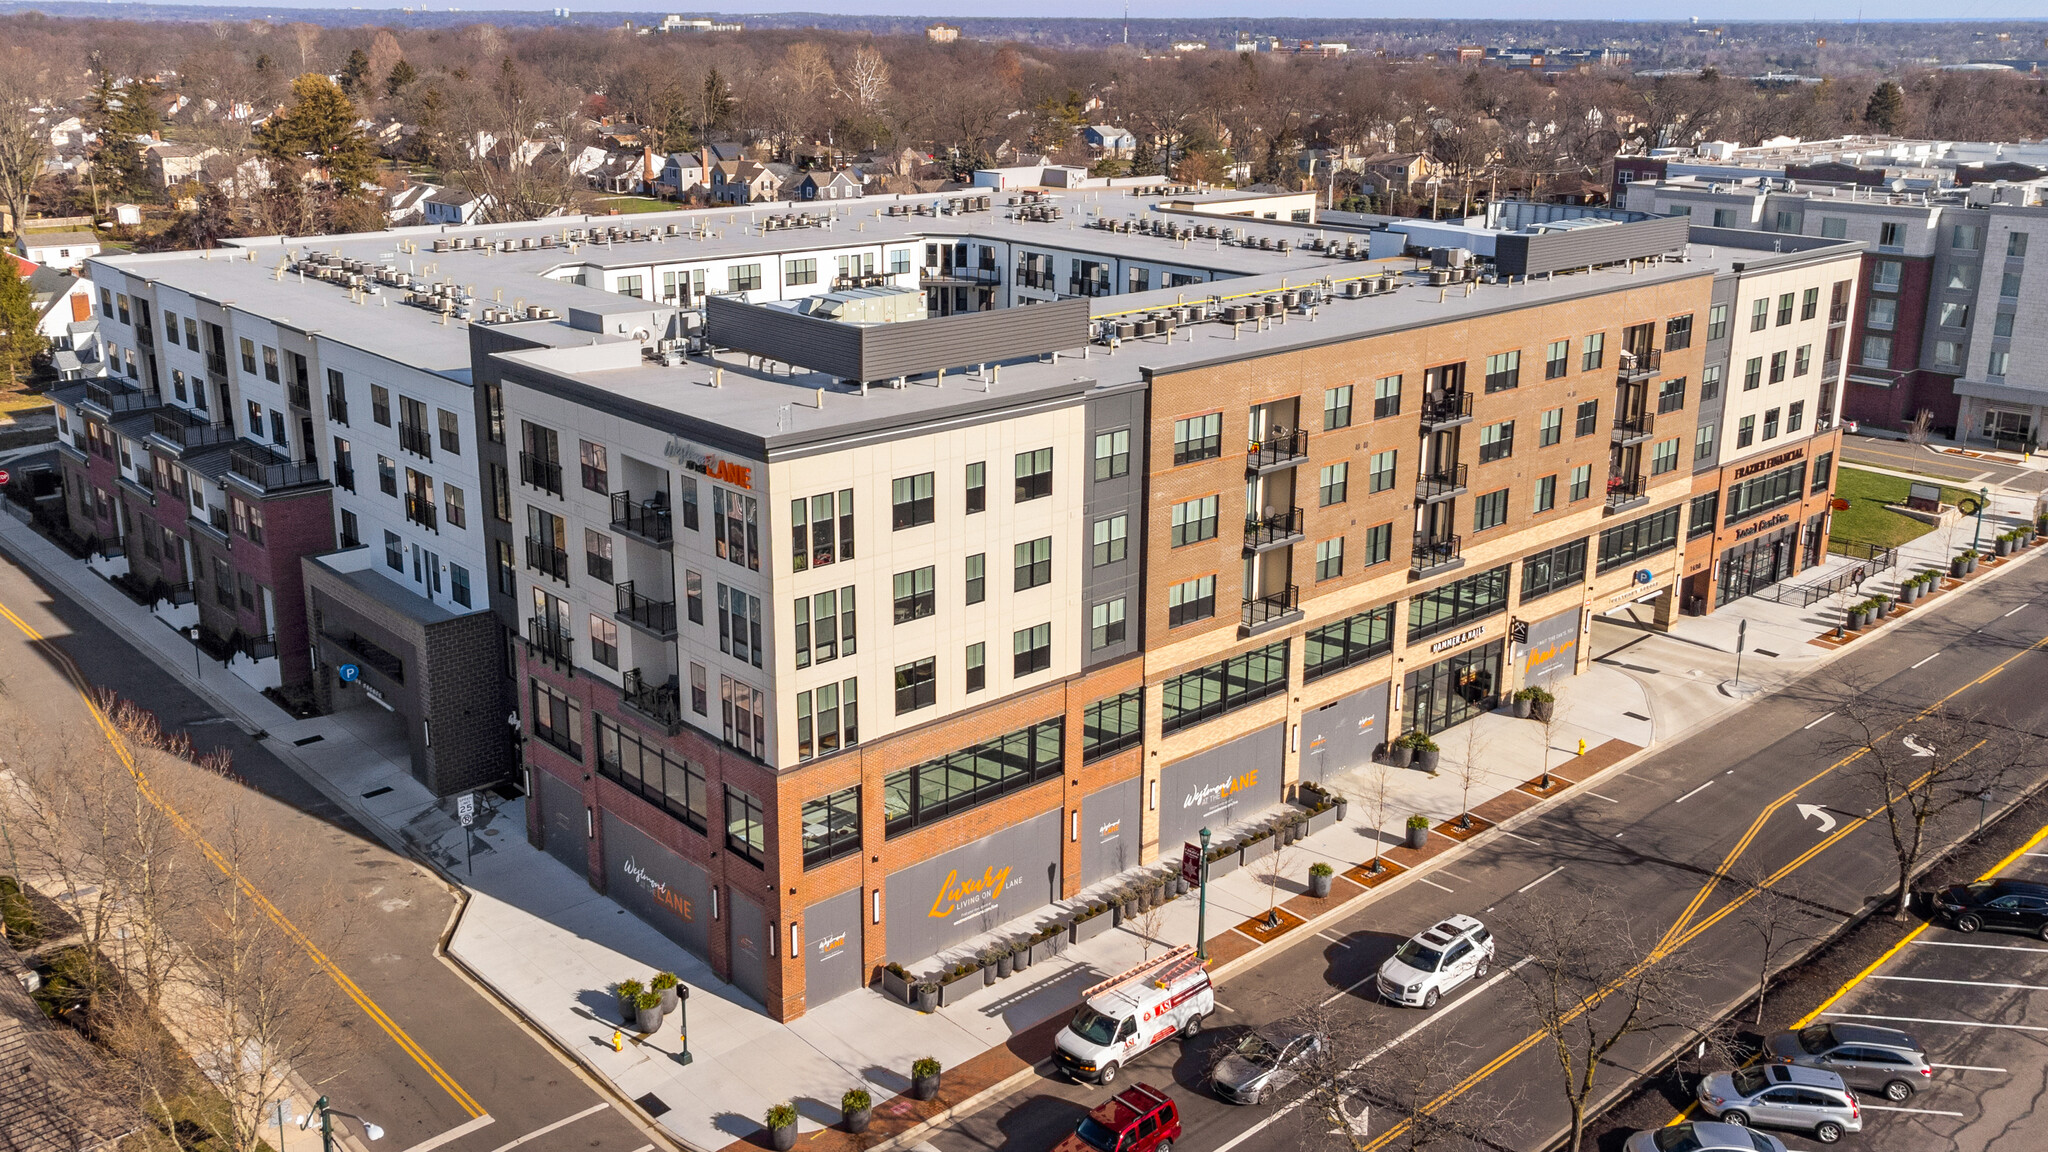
(1582, 747)
(617, 1041)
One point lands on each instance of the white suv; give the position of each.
(1435, 961)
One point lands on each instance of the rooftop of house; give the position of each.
(59, 239)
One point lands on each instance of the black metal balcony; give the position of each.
(421, 511)
(270, 471)
(946, 277)
(337, 407)
(1441, 484)
(1640, 365)
(116, 400)
(547, 559)
(1634, 429)
(178, 594)
(1277, 530)
(1273, 607)
(548, 640)
(345, 476)
(258, 647)
(661, 703)
(1625, 492)
(299, 394)
(648, 521)
(415, 438)
(1446, 411)
(217, 364)
(186, 433)
(540, 473)
(1436, 554)
(657, 617)
(1279, 449)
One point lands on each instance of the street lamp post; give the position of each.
(1202, 904)
(327, 1115)
(683, 1023)
(1983, 498)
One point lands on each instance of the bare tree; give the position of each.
(1468, 772)
(1271, 872)
(1150, 924)
(865, 81)
(1378, 786)
(24, 138)
(1357, 1072)
(1778, 922)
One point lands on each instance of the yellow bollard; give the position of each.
(1582, 747)
(617, 1046)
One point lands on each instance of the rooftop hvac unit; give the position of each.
(1353, 289)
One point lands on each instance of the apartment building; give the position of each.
(839, 631)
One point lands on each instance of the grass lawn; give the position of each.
(1867, 520)
(633, 204)
(13, 402)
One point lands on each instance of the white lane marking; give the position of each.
(1539, 879)
(1225, 1007)
(453, 1134)
(1597, 796)
(1432, 883)
(1915, 1111)
(1693, 793)
(1816, 720)
(2037, 853)
(1977, 983)
(1927, 1020)
(1442, 1011)
(644, 1148)
(1447, 874)
(1966, 1068)
(1504, 832)
(1924, 660)
(1332, 937)
(2020, 608)
(1964, 944)
(562, 1123)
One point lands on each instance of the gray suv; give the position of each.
(1875, 1059)
(1783, 1096)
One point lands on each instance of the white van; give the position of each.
(1125, 1015)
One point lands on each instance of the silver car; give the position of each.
(1263, 1062)
(1703, 1136)
(1865, 1056)
(1783, 1096)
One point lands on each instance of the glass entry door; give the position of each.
(1450, 692)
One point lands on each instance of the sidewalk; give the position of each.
(552, 948)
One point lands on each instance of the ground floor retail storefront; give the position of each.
(1759, 523)
(1455, 689)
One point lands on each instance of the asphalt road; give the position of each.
(1647, 841)
(1961, 471)
(487, 1064)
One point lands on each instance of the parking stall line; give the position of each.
(1539, 879)
(1965, 1068)
(1926, 658)
(1915, 1111)
(537, 1133)
(1693, 793)
(1967, 944)
(1930, 1020)
(1816, 720)
(1597, 796)
(1432, 883)
(1976, 983)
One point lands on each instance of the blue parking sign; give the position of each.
(349, 673)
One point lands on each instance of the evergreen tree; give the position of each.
(403, 75)
(355, 75)
(119, 116)
(1887, 107)
(320, 128)
(20, 343)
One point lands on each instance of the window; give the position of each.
(745, 833)
(1194, 520)
(1724, 217)
(1331, 483)
(2015, 245)
(1760, 314)
(1198, 438)
(915, 598)
(1334, 647)
(686, 489)
(977, 666)
(1337, 407)
(1891, 235)
(596, 471)
(1962, 277)
(1557, 360)
(1554, 570)
(700, 690)
(1966, 237)
(1823, 471)
(799, 272)
(1717, 322)
(557, 719)
(1762, 493)
(916, 685)
(255, 418)
(1490, 510)
(1785, 307)
(1033, 563)
(1503, 371)
(630, 286)
(1379, 474)
(899, 262)
(387, 475)
(831, 823)
(1883, 313)
(597, 554)
(1700, 513)
(1587, 420)
(1802, 360)
(351, 530)
(743, 278)
(929, 792)
(1386, 397)
(1948, 353)
(1546, 493)
(1446, 608)
(1379, 544)
(1190, 601)
(1745, 432)
(821, 529)
(1703, 442)
(1753, 374)
(977, 578)
(1329, 558)
(248, 345)
(1664, 457)
(739, 625)
(1877, 351)
(1032, 648)
(1106, 624)
(735, 522)
(1783, 221)
(604, 641)
(913, 501)
(1112, 454)
(1955, 315)
(458, 584)
(2009, 284)
(1999, 361)
(1112, 725)
(1581, 482)
(1886, 276)
(1550, 428)
(1795, 416)
(1834, 227)
(1625, 544)
(1809, 304)
(693, 584)
(824, 626)
(380, 403)
(1034, 474)
(1778, 367)
(1592, 350)
(2001, 324)
(1671, 395)
(1109, 539)
(1223, 687)
(1497, 441)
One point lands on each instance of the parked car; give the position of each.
(1703, 1136)
(1865, 1056)
(2014, 904)
(1433, 962)
(1140, 1118)
(1263, 1061)
(1783, 1096)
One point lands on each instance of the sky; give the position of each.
(1705, 10)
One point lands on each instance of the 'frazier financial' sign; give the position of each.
(1453, 641)
(1767, 465)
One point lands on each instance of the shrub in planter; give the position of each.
(647, 1012)
(999, 961)
(1418, 831)
(1541, 702)
(858, 1107)
(1426, 752)
(782, 1126)
(629, 995)
(2002, 546)
(1319, 875)
(924, 1078)
(924, 996)
(1398, 753)
(1524, 703)
(896, 981)
(665, 983)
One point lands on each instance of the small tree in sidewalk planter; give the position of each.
(1380, 784)
(782, 1126)
(858, 1108)
(924, 1078)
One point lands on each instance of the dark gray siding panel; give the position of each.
(1118, 495)
(886, 351)
(1534, 255)
(807, 341)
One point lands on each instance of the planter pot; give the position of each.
(988, 975)
(2001, 547)
(1540, 710)
(1317, 821)
(1224, 865)
(1005, 964)
(1083, 931)
(1180, 885)
(1956, 568)
(668, 1001)
(1401, 757)
(1858, 620)
(647, 1019)
(1908, 593)
(1970, 565)
(1318, 885)
(1523, 706)
(782, 1139)
(1417, 837)
(1426, 758)
(896, 987)
(626, 1009)
(1343, 806)
(1257, 850)
(924, 1087)
(857, 1120)
(924, 998)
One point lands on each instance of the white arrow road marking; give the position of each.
(1357, 1125)
(1809, 811)
(1917, 748)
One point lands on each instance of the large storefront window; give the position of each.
(972, 776)
(1452, 691)
(1338, 646)
(1627, 543)
(831, 826)
(1459, 602)
(1192, 697)
(673, 785)
(1547, 572)
(1757, 564)
(1112, 724)
(1765, 492)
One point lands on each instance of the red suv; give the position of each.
(1140, 1118)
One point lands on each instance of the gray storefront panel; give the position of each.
(937, 903)
(657, 885)
(1226, 783)
(1553, 648)
(563, 832)
(1109, 831)
(1343, 733)
(749, 946)
(832, 952)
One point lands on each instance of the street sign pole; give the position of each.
(1202, 904)
(1741, 641)
(465, 808)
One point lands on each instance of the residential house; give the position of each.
(746, 182)
(407, 205)
(681, 173)
(57, 249)
(1394, 172)
(845, 184)
(620, 173)
(173, 164)
(1109, 140)
(454, 206)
